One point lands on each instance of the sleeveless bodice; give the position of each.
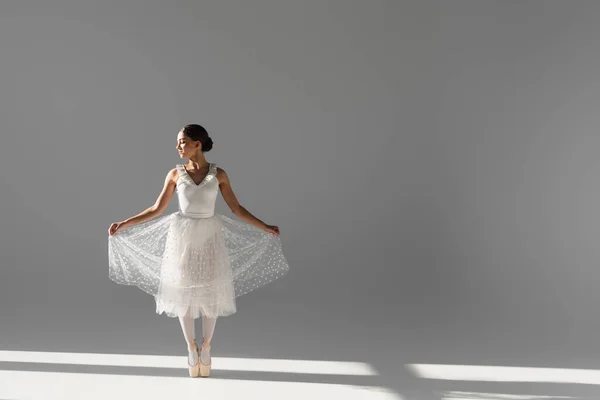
(197, 200)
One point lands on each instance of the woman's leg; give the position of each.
(188, 328)
(208, 329)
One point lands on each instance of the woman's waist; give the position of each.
(196, 214)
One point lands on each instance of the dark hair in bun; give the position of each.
(197, 132)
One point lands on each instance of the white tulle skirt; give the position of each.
(195, 266)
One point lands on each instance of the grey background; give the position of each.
(432, 166)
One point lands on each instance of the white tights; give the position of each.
(188, 327)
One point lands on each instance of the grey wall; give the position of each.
(432, 166)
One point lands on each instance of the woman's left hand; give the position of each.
(273, 229)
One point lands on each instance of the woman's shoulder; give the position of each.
(173, 174)
(221, 174)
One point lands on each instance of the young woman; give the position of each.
(195, 262)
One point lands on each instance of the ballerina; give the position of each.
(195, 262)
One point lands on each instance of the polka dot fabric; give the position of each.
(195, 265)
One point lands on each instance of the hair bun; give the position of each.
(207, 145)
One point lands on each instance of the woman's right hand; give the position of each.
(272, 229)
(115, 226)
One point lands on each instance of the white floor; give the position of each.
(32, 384)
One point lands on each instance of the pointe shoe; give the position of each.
(194, 370)
(204, 369)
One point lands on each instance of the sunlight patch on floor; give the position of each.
(506, 374)
(222, 363)
(55, 385)
(495, 396)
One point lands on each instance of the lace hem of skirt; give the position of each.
(197, 265)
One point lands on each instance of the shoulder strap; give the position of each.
(213, 170)
(181, 171)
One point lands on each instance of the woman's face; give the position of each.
(186, 146)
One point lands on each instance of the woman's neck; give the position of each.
(198, 163)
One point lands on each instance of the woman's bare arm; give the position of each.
(161, 202)
(233, 203)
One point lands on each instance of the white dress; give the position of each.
(195, 261)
